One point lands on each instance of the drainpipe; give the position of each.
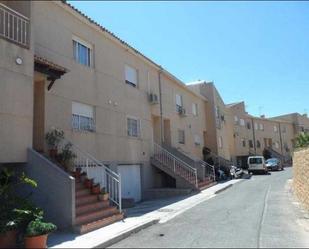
(161, 111)
(253, 133)
(280, 135)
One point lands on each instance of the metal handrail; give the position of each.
(14, 26)
(212, 167)
(101, 174)
(159, 151)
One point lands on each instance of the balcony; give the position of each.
(14, 26)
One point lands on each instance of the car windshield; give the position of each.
(256, 160)
(271, 161)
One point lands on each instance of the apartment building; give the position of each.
(134, 126)
(216, 136)
(113, 103)
(300, 122)
(251, 135)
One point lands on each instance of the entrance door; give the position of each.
(38, 115)
(130, 181)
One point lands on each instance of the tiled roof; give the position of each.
(50, 64)
(109, 32)
(233, 104)
(128, 46)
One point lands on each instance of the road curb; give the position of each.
(127, 234)
(226, 187)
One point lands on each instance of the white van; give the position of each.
(256, 164)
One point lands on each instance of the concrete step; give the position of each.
(95, 215)
(79, 186)
(85, 228)
(97, 205)
(82, 192)
(206, 184)
(87, 199)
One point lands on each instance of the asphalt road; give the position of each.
(258, 212)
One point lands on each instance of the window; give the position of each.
(261, 127)
(194, 109)
(133, 126)
(220, 140)
(181, 136)
(250, 143)
(284, 129)
(275, 128)
(258, 144)
(236, 119)
(248, 125)
(242, 122)
(256, 126)
(178, 102)
(131, 75)
(217, 112)
(82, 117)
(256, 160)
(243, 142)
(82, 52)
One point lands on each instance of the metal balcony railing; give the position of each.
(14, 26)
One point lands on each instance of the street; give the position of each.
(258, 212)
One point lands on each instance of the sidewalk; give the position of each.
(139, 217)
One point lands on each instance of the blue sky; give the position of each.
(253, 51)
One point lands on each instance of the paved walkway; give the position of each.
(141, 216)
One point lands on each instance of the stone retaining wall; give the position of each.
(301, 176)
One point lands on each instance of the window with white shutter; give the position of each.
(82, 117)
(131, 75)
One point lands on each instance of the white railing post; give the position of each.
(87, 171)
(119, 192)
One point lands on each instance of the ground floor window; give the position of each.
(133, 127)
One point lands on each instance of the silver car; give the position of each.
(274, 164)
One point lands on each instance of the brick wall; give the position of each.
(301, 176)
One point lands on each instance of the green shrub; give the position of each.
(38, 227)
(54, 137)
(302, 140)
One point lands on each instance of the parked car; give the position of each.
(257, 164)
(274, 164)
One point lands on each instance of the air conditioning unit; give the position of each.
(153, 98)
(182, 111)
(197, 140)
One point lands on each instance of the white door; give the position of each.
(130, 181)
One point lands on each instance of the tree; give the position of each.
(302, 140)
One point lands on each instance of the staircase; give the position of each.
(91, 212)
(181, 170)
(285, 160)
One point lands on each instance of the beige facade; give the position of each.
(216, 136)
(100, 87)
(251, 135)
(101, 76)
(16, 109)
